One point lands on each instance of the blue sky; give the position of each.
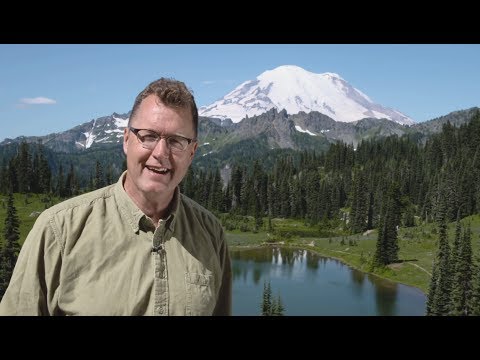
(52, 88)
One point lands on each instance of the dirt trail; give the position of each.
(418, 266)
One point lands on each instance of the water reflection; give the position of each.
(358, 278)
(312, 285)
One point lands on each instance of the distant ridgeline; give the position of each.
(300, 166)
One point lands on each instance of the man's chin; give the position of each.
(153, 187)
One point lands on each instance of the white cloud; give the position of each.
(37, 101)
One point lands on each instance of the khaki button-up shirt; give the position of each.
(98, 254)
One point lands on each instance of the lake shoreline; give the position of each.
(320, 253)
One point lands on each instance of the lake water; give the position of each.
(309, 284)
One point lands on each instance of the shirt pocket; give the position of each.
(200, 294)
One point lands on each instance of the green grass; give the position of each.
(418, 245)
(28, 207)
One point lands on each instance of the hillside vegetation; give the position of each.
(418, 245)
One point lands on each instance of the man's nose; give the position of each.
(161, 149)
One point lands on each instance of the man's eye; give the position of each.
(149, 138)
(175, 141)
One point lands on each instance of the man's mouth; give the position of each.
(158, 169)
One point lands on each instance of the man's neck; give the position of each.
(155, 206)
(157, 212)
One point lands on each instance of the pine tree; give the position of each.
(270, 306)
(35, 180)
(387, 243)
(360, 204)
(431, 308)
(188, 183)
(60, 188)
(475, 299)
(12, 182)
(44, 173)
(271, 197)
(109, 175)
(215, 199)
(441, 297)
(279, 309)
(99, 178)
(23, 164)
(267, 299)
(462, 280)
(71, 183)
(11, 247)
(227, 198)
(237, 180)
(3, 179)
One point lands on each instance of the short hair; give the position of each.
(171, 93)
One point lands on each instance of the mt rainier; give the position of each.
(294, 89)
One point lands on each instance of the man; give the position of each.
(137, 247)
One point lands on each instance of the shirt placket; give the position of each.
(160, 268)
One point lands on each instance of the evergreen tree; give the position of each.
(109, 175)
(270, 225)
(71, 183)
(215, 200)
(387, 243)
(12, 177)
(270, 306)
(11, 247)
(188, 183)
(99, 178)
(247, 197)
(44, 173)
(267, 299)
(257, 215)
(271, 197)
(227, 198)
(360, 204)
(237, 180)
(279, 309)
(462, 278)
(4, 179)
(35, 180)
(370, 213)
(475, 299)
(313, 197)
(23, 164)
(440, 304)
(60, 188)
(431, 308)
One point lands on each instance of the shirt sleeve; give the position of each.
(33, 287)
(224, 298)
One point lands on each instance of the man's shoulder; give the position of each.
(193, 206)
(83, 200)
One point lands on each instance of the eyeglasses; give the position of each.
(149, 139)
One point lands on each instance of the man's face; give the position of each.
(160, 170)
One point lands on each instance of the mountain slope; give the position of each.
(294, 89)
(106, 130)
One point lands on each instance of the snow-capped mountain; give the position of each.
(108, 129)
(294, 89)
(104, 130)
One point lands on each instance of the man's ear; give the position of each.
(194, 148)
